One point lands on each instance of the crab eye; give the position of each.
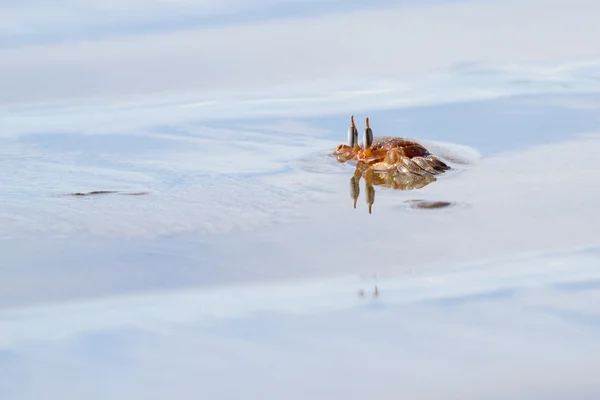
(352, 135)
(368, 138)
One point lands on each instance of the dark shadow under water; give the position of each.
(105, 192)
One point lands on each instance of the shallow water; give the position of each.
(194, 243)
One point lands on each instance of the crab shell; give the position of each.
(379, 149)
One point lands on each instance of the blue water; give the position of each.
(245, 270)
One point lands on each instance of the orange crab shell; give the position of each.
(378, 151)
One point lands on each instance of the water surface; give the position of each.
(184, 235)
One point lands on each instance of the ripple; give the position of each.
(321, 162)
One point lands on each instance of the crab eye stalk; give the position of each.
(368, 139)
(352, 135)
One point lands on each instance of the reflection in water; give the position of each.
(389, 179)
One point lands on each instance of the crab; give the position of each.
(386, 153)
(393, 162)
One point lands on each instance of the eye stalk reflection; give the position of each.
(392, 162)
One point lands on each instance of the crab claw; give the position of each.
(352, 134)
(368, 137)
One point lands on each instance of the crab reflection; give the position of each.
(392, 162)
(388, 179)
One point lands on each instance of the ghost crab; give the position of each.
(393, 162)
(389, 154)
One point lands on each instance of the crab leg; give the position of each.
(436, 163)
(403, 170)
(424, 164)
(413, 167)
(389, 164)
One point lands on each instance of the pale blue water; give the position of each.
(240, 273)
